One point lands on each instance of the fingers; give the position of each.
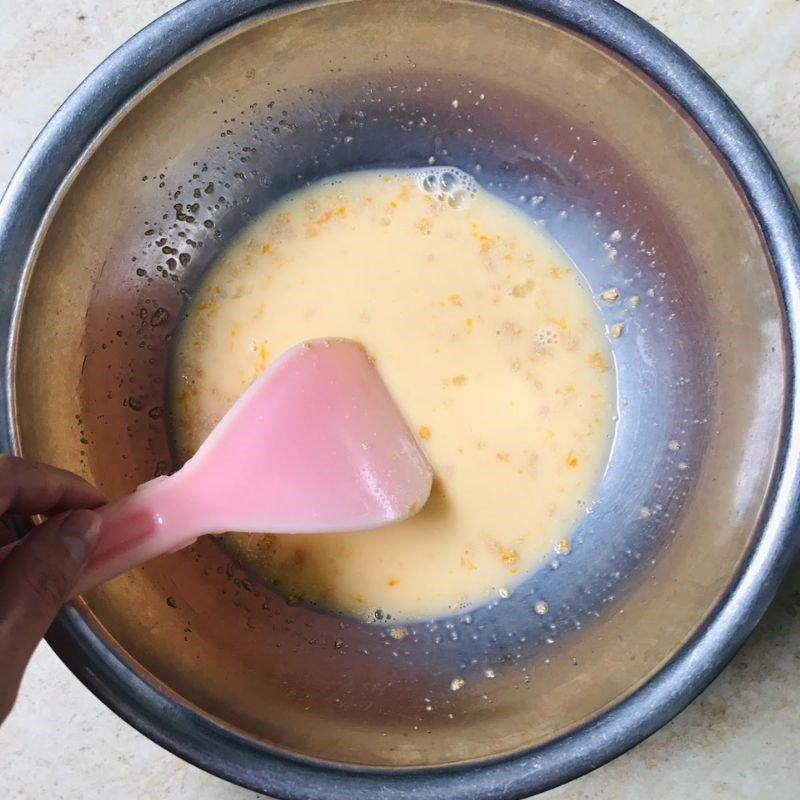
(37, 574)
(30, 488)
(35, 581)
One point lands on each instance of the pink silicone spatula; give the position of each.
(315, 445)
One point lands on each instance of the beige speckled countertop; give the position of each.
(739, 741)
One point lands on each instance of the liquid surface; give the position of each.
(484, 334)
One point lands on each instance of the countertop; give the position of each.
(739, 741)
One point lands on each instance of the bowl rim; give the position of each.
(197, 739)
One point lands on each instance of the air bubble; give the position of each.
(448, 185)
(429, 183)
(547, 336)
(448, 181)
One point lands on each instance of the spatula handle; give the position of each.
(134, 531)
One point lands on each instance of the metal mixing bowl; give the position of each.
(593, 122)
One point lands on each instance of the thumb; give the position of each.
(36, 579)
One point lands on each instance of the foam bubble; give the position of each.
(547, 336)
(448, 185)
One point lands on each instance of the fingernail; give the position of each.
(80, 531)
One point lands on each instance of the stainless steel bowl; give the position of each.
(593, 122)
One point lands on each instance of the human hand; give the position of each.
(38, 572)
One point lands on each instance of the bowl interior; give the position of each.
(582, 142)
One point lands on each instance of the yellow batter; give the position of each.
(489, 343)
